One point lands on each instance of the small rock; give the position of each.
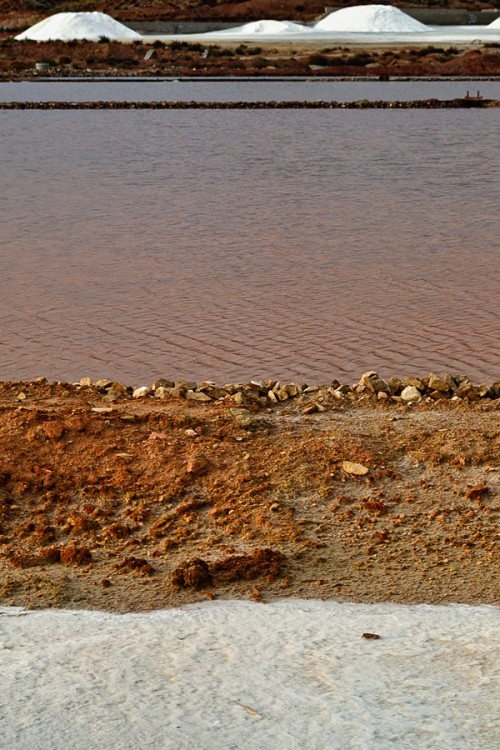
(345, 389)
(338, 394)
(291, 389)
(163, 383)
(411, 395)
(198, 396)
(310, 409)
(373, 382)
(394, 385)
(86, 381)
(371, 636)
(185, 385)
(213, 391)
(466, 390)
(165, 392)
(482, 390)
(162, 392)
(118, 388)
(259, 384)
(450, 382)
(355, 469)
(243, 416)
(103, 383)
(141, 392)
(436, 383)
(438, 395)
(415, 382)
(238, 398)
(282, 394)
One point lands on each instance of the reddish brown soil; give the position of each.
(18, 60)
(134, 504)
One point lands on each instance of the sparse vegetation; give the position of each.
(319, 59)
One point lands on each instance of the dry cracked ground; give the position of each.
(125, 504)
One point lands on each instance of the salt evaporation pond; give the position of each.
(289, 674)
(302, 245)
(242, 90)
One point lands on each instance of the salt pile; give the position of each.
(66, 27)
(495, 24)
(288, 674)
(266, 27)
(370, 19)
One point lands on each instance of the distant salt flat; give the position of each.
(369, 24)
(431, 35)
(361, 24)
(291, 674)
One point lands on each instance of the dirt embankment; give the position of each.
(132, 503)
(18, 60)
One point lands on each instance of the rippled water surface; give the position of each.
(233, 244)
(242, 90)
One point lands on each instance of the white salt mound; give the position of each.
(266, 27)
(495, 24)
(370, 18)
(66, 27)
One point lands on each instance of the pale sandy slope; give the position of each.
(291, 674)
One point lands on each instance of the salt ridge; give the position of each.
(67, 27)
(495, 24)
(370, 18)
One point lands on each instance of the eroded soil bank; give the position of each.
(113, 502)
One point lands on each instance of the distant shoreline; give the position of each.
(461, 103)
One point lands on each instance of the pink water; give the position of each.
(302, 245)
